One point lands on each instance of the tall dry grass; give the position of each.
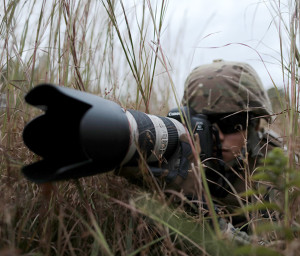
(113, 50)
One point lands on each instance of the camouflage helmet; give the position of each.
(226, 87)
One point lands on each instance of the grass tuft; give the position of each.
(114, 49)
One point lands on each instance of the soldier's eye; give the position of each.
(232, 123)
(239, 127)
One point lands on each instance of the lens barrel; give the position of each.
(81, 134)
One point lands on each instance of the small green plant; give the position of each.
(283, 182)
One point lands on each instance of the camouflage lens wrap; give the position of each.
(226, 87)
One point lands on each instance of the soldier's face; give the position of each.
(232, 144)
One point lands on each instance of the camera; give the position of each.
(81, 134)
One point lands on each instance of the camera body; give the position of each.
(81, 134)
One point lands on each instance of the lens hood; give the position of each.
(79, 134)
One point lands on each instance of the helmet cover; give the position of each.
(226, 87)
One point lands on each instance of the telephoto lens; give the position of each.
(81, 134)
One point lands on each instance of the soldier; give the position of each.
(231, 96)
